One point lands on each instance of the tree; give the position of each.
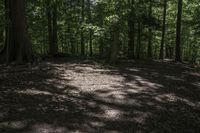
(82, 28)
(150, 32)
(18, 46)
(178, 31)
(89, 21)
(131, 31)
(163, 30)
(146, 29)
(52, 26)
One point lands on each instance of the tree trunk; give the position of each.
(52, 27)
(115, 44)
(150, 33)
(90, 43)
(1, 39)
(82, 32)
(4, 49)
(131, 32)
(101, 40)
(163, 31)
(50, 30)
(18, 45)
(178, 31)
(139, 40)
(55, 40)
(90, 21)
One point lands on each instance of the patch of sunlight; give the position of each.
(133, 70)
(197, 84)
(166, 98)
(47, 128)
(133, 90)
(173, 78)
(35, 92)
(148, 84)
(112, 114)
(13, 124)
(114, 94)
(189, 103)
(173, 98)
(92, 104)
(97, 124)
(119, 96)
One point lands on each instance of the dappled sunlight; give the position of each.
(35, 92)
(78, 97)
(47, 128)
(14, 124)
(173, 78)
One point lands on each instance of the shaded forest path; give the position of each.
(88, 97)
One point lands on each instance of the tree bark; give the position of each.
(163, 31)
(55, 36)
(131, 32)
(150, 33)
(115, 44)
(18, 45)
(82, 32)
(52, 27)
(139, 40)
(4, 49)
(50, 30)
(178, 32)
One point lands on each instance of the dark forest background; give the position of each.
(107, 29)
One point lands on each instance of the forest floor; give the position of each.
(65, 96)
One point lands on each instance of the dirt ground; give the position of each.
(65, 96)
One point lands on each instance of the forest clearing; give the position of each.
(99, 66)
(86, 96)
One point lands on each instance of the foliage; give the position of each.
(102, 16)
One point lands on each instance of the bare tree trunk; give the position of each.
(101, 41)
(150, 33)
(18, 45)
(3, 50)
(163, 31)
(178, 32)
(139, 40)
(52, 27)
(82, 32)
(115, 44)
(131, 32)
(55, 40)
(50, 30)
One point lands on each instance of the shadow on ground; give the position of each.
(87, 97)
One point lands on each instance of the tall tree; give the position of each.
(139, 39)
(89, 14)
(52, 26)
(131, 30)
(55, 39)
(82, 28)
(50, 30)
(115, 43)
(18, 46)
(150, 32)
(163, 30)
(178, 31)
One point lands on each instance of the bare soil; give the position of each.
(62, 96)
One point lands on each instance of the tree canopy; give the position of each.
(112, 29)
